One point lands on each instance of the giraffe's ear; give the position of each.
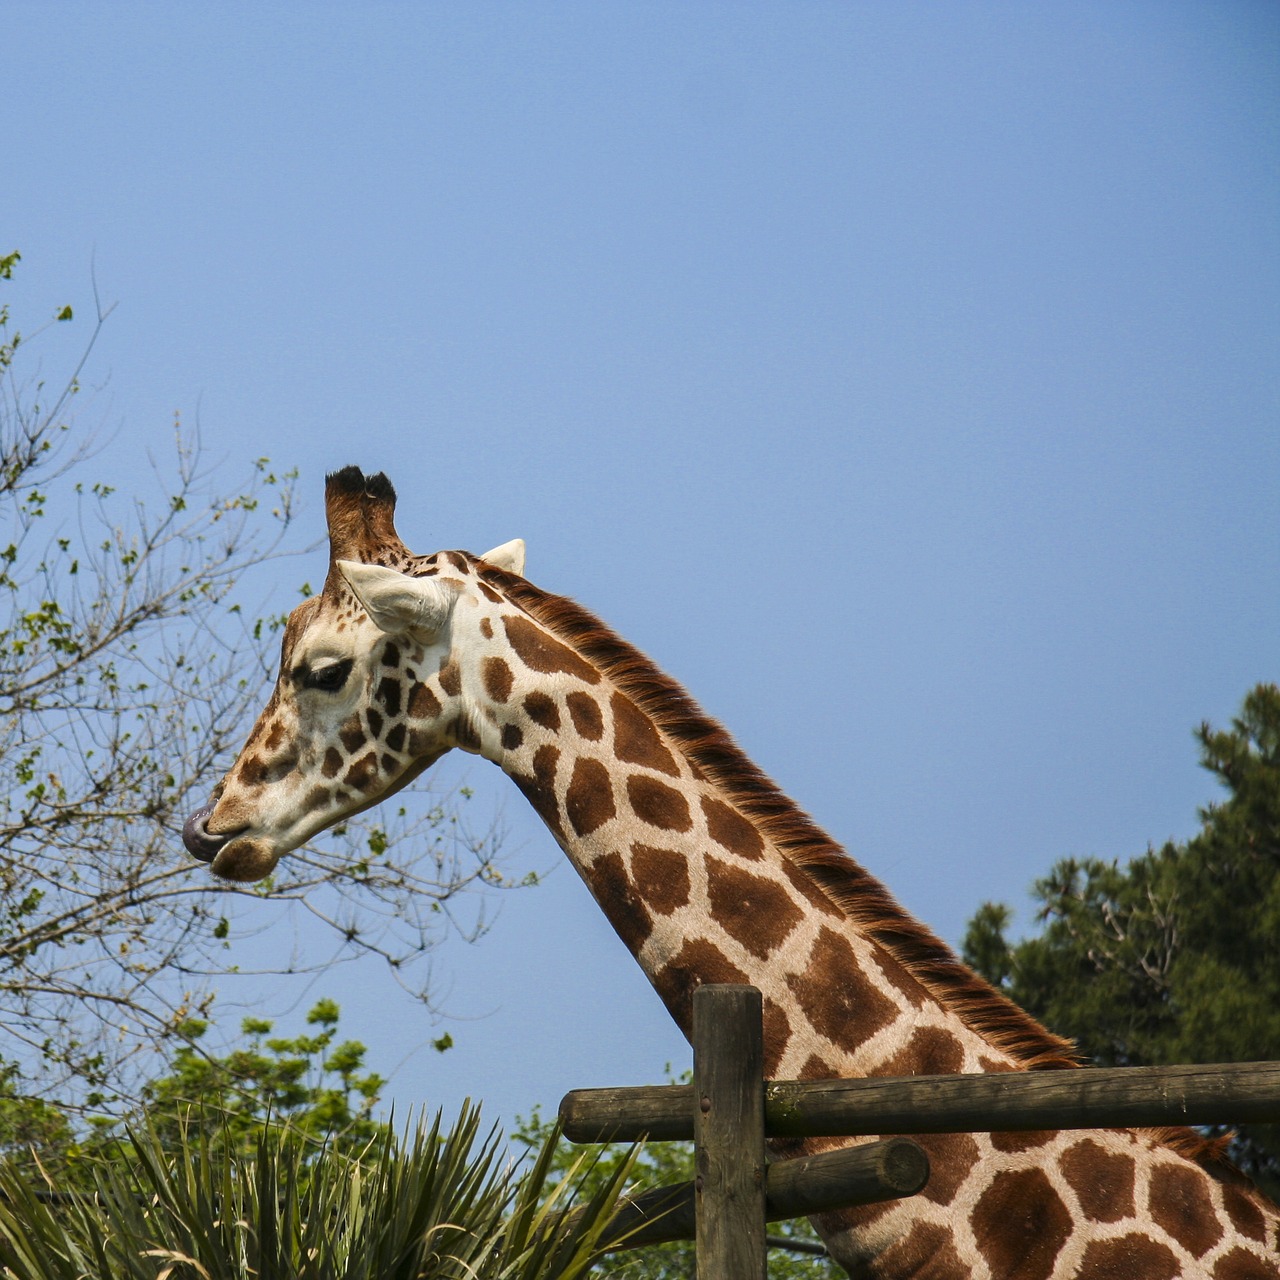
(509, 556)
(396, 602)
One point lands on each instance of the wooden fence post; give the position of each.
(728, 1133)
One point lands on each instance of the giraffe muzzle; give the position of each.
(200, 841)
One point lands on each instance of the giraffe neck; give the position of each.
(709, 874)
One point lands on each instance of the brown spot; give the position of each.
(1240, 1264)
(777, 1035)
(661, 876)
(755, 912)
(623, 907)
(539, 789)
(658, 804)
(1179, 1202)
(542, 710)
(1127, 1257)
(389, 764)
(274, 737)
(837, 997)
(395, 738)
(931, 1051)
(811, 891)
(497, 679)
(856, 1220)
(352, 735)
(539, 651)
(363, 773)
(316, 798)
(545, 760)
(391, 655)
(1010, 1141)
(1244, 1213)
(374, 721)
(451, 678)
(389, 695)
(332, 763)
(636, 739)
(584, 710)
(1102, 1180)
(464, 733)
(698, 961)
(423, 704)
(816, 1068)
(455, 558)
(926, 1251)
(895, 973)
(1020, 1225)
(252, 771)
(951, 1157)
(512, 736)
(729, 829)
(486, 627)
(489, 594)
(589, 800)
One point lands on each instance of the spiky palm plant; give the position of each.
(440, 1204)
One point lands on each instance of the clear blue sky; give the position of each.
(903, 377)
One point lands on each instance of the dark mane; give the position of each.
(866, 902)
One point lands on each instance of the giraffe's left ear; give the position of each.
(396, 602)
(509, 556)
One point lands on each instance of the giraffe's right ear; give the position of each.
(396, 602)
(509, 556)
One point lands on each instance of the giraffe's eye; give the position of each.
(328, 679)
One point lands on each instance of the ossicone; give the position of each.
(361, 514)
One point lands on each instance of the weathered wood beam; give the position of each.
(865, 1174)
(728, 1133)
(1087, 1098)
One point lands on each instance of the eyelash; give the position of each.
(328, 679)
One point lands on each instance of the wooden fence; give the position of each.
(729, 1110)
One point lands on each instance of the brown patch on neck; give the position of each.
(807, 850)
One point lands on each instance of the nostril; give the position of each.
(200, 841)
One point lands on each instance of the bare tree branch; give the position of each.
(129, 675)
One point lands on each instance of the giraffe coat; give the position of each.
(708, 874)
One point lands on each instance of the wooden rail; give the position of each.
(729, 1109)
(1085, 1098)
(865, 1174)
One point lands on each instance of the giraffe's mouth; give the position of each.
(245, 859)
(200, 841)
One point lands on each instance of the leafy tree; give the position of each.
(1174, 956)
(662, 1164)
(129, 675)
(317, 1087)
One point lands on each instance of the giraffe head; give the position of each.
(364, 699)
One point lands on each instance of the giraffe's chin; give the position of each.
(245, 860)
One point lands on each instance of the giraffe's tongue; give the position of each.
(200, 842)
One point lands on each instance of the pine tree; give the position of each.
(1174, 956)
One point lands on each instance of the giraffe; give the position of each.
(708, 873)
